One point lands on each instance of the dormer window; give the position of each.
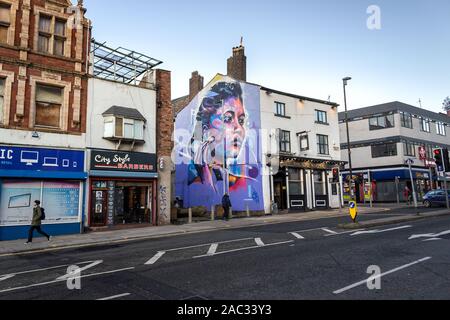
(122, 123)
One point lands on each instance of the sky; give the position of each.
(298, 46)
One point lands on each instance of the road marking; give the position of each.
(379, 231)
(5, 277)
(56, 281)
(372, 278)
(207, 244)
(114, 297)
(429, 235)
(259, 242)
(298, 236)
(344, 232)
(432, 239)
(242, 249)
(155, 258)
(212, 250)
(329, 231)
(78, 271)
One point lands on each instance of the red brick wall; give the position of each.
(164, 113)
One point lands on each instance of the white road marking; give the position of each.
(372, 278)
(429, 235)
(155, 258)
(329, 231)
(114, 297)
(298, 236)
(43, 269)
(206, 244)
(5, 277)
(379, 231)
(56, 281)
(242, 249)
(212, 250)
(432, 239)
(259, 242)
(78, 272)
(344, 232)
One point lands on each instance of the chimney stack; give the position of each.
(195, 84)
(237, 64)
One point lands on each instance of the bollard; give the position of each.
(231, 213)
(212, 213)
(248, 211)
(190, 216)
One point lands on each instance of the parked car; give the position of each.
(435, 198)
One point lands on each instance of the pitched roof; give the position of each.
(394, 106)
(129, 113)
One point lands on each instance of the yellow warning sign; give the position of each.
(353, 210)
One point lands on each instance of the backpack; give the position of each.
(42, 214)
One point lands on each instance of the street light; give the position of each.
(352, 194)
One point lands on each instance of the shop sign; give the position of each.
(123, 161)
(37, 159)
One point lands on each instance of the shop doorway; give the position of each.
(280, 190)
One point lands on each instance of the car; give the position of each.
(435, 198)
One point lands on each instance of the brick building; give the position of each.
(44, 46)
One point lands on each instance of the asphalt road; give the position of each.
(299, 260)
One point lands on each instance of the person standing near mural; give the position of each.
(37, 222)
(226, 204)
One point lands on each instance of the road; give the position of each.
(299, 260)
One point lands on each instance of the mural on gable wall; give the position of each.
(218, 147)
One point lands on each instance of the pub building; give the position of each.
(122, 188)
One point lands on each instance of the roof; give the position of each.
(394, 106)
(124, 112)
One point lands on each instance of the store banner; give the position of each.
(61, 200)
(123, 161)
(38, 159)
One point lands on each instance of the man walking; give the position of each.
(36, 222)
(226, 204)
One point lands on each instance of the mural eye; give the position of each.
(227, 118)
(242, 120)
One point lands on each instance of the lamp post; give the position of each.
(352, 192)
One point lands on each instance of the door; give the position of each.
(98, 207)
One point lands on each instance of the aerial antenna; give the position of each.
(242, 41)
(420, 103)
(329, 98)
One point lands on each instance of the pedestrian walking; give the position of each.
(226, 204)
(38, 216)
(407, 195)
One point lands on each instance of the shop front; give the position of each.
(53, 176)
(122, 189)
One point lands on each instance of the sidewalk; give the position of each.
(117, 236)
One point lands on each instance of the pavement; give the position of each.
(124, 235)
(287, 260)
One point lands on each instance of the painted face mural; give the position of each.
(222, 154)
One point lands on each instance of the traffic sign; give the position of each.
(353, 208)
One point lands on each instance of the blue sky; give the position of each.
(298, 46)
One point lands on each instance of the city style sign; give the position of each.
(37, 159)
(123, 161)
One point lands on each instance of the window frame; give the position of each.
(425, 124)
(378, 126)
(51, 35)
(322, 146)
(285, 143)
(372, 147)
(60, 105)
(6, 25)
(124, 122)
(2, 99)
(318, 118)
(280, 106)
(406, 116)
(409, 149)
(441, 129)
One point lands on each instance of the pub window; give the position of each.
(2, 99)
(5, 22)
(409, 149)
(319, 183)
(322, 144)
(280, 109)
(51, 30)
(285, 141)
(425, 125)
(381, 122)
(48, 106)
(384, 150)
(321, 117)
(406, 120)
(440, 129)
(296, 185)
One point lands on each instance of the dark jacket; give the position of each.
(37, 215)
(226, 203)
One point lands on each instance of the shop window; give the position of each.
(51, 31)
(5, 22)
(48, 106)
(2, 99)
(322, 145)
(296, 187)
(384, 150)
(319, 183)
(381, 122)
(117, 127)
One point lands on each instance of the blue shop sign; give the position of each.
(37, 159)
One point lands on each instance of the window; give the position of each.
(116, 127)
(440, 129)
(319, 183)
(48, 106)
(49, 33)
(2, 99)
(280, 109)
(322, 144)
(384, 150)
(5, 21)
(296, 186)
(321, 117)
(285, 141)
(425, 125)
(406, 120)
(409, 149)
(304, 142)
(381, 122)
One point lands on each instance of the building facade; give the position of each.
(43, 99)
(382, 139)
